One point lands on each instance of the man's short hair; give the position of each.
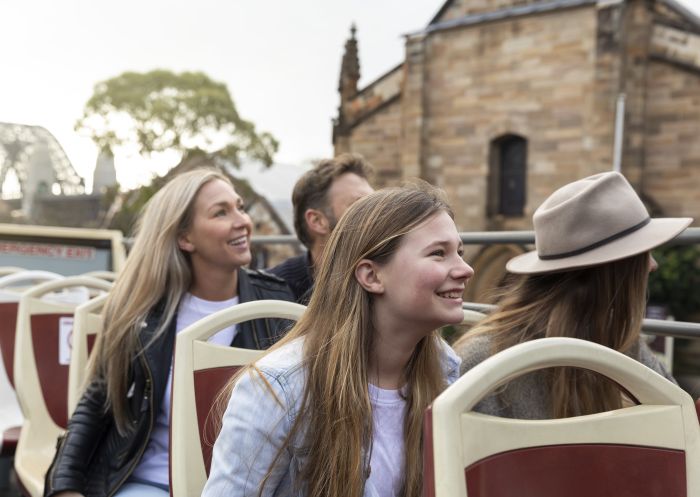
(310, 191)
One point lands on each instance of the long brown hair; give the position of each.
(156, 270)
(338, 325)
(604, 304)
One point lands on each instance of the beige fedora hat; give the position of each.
(592, 221)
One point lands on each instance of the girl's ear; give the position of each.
(183, 241)
(367, 276)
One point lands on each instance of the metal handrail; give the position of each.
(660, 327)
(680, 329)
(688, 237)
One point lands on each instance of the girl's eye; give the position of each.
(460, 252)
(438, 253)
(220, 212)
(242, 207)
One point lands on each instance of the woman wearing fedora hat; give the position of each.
(587, 279)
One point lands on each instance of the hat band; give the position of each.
(596, 244)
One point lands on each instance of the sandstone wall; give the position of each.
(377, 138)
(533, 76)
(672, 170)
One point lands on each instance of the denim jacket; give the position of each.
(256, 425)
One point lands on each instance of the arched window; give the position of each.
(507, 174)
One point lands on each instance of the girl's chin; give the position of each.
(456, 319)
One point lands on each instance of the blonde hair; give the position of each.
(156, 272)
(604, 304)
(339, 330)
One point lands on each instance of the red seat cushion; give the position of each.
(8, 323)
(208, 383)
(9, 441)
(53, 376)
(584, 470)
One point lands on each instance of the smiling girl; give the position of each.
(187, 261)
(335, 410)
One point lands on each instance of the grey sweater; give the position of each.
(527, 397)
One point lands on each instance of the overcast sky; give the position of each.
(279, 58)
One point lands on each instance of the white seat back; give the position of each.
(11, 287)
(200, 371)
(498, 456)
(87, 325)
(44, 325)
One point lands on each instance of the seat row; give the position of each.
(650, 449)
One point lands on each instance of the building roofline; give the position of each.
(497, 15)
(440, 11)
(380, 78)
(684, 12)
(366, 115)
(363, 117)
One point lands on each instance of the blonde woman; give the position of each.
(187, 261)
(587, 279)
(335, 410)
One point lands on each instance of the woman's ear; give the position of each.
(367, 276)
(183, 241)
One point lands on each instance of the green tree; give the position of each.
(161, 110)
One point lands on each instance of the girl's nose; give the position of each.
(463, 271)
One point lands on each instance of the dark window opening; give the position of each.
(507, 176)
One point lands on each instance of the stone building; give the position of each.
(499, 102)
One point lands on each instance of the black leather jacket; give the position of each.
(92, 458)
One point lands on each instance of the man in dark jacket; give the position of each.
(319, 198)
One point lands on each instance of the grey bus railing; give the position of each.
(660, 327)
(680, 329)
(688, 237)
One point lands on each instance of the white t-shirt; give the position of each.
(387, 459)
(154, 463)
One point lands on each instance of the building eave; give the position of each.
(684, 12)
(362, 118)
(381, 78)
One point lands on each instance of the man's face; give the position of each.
(344, 191)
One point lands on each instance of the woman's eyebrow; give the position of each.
(221, 203)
